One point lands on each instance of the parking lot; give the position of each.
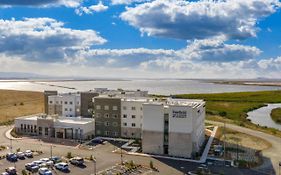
(88, 167)
(105, 158)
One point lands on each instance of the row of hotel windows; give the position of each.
(65, 102)
(115, 108)
(113, 124)
(133, 124)
(33, 129)
(106, 107)
(107, 133)
(98, 115)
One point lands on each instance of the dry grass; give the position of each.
(243, 139)
(19, 103)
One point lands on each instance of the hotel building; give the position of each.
(46, 126)
(174, 127)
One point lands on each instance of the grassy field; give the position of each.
(276, 115)
(19, 103)
(233, 107)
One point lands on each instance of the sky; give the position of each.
(141, 38)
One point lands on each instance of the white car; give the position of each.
(45, 159)
(45, 171)
(28, 153)
(21, 155)
(62, 166)
(38, 163)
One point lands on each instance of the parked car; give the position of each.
(50, 163)
(28, 153)
(20, 155)
(11, 171)
(62, 166)
(98, 141)
(44, 159)
(55, 159)
(38, 163)
(4, 173)
(77, 161)
(32, 167)
(45, 171)
(12, 157)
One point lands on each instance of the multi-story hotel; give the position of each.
(166, 126)
(132, 116)
(173, 127)
(71, 104)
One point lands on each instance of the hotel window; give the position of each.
(141, 108)
(65, 109)
(106, 133)
(133, 116)
(115, 133)
(98, 115)
(70, 115)
(98, 132)
(106, 115)
(124, 108)
(124, 124)
(51, 102)
(31, 129)
(115, 124)
(71, 102)
(106, 107)
(106, 123)
(46, 131)
(65, 102)
(125, 116)
(133, 108)
(133, 125)
(98, 107)
(114, 108)
(133, 134)
(114, 115)
(70, 109)
(125, 133)
(21, 126)
(40, 131)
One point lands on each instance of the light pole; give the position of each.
(279, 167)
(11, 145)
(95, 165)
(121, 156)
(51, 150)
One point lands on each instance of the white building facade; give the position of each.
(174, 127)
(131, 116)
(66, 105)
(47, 127)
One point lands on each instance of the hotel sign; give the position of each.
(179, 114)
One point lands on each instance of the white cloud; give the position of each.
(233, 19)
(127, 2)
(44, 39)
(41, 3)
(100, 7)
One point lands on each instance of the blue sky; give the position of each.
(140, 38)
